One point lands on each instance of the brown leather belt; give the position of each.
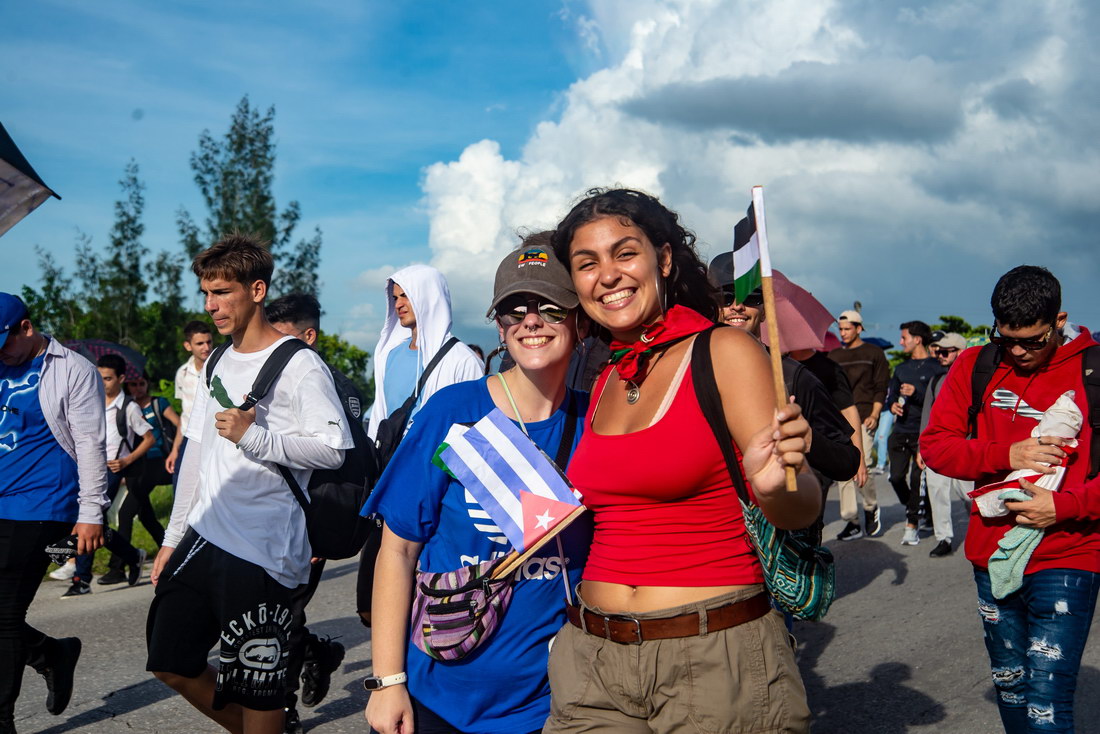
(627, 630)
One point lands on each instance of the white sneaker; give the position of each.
(910, 537)
(63, 572)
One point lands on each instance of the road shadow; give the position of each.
(882, 704)
(117, 703)
(860, 562)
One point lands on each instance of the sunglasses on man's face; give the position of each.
(1030, 344)
(513, 312)
(945, 352)
(753, 300)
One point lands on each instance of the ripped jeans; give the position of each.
(1035, 637)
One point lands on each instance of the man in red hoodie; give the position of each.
(1036, 634)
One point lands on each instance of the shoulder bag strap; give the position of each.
(984, 367)
(433, 363)
(710, 402)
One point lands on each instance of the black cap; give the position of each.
(533, 269)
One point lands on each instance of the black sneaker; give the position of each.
(318, 669)
(134, 572)
(78, 588)
(943, 548)
(292, 722)
(59, 674)
(114, 576)
(872, 520)
(851, 531)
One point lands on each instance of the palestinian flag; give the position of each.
(746, 257)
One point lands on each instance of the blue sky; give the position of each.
(911, 154)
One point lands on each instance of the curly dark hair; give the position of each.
(687, 283)
(1025, 296)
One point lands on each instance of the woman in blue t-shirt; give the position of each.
(433, 524)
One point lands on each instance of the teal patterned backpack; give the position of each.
(800, 575)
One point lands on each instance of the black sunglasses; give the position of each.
(1031, 344)
(753, 300)
(514, 310)
(945, 352)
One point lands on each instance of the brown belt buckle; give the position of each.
(623, 618)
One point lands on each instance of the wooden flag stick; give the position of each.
(771, 315)
(517, 559)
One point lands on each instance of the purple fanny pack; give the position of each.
(454, 612)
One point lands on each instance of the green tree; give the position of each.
(235, 175)
(108, 296)
(349, 359)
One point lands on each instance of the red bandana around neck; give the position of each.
(631, 360)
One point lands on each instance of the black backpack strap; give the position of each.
(710, 402)
(984, 367)
(122, 425)
(433, 364)
(1090, 372)
(272, 368)
(212, 360)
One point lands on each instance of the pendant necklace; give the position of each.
(633, 389)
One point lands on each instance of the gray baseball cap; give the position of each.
(533, 269)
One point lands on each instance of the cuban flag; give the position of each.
(521, 489)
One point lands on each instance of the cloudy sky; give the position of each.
(910, 153)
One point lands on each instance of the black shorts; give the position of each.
(207, 595)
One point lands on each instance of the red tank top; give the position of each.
(665, 510)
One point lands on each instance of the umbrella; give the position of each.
(21, 190)
(802, 319)
(93, 349)
(878, 342)
(832, 341)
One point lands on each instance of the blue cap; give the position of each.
(12, 312)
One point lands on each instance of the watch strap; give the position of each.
(374, 683)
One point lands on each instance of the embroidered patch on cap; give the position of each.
(532, 257)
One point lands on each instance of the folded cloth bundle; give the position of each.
(1062, 419)
(1009, 561)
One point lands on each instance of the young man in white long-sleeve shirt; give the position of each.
(236, 545)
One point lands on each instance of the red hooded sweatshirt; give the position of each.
(1074, 540)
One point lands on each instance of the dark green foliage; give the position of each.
(123, 294)
(235, 175)
(349, 359)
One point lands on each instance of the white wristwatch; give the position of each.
(374, 683)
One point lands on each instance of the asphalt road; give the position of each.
(900, 651)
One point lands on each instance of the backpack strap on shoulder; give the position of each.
(208, 368)
(272, 368)
(710, 402)
(984, 367)
(1090, 373)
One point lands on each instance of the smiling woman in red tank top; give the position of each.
(673, 631)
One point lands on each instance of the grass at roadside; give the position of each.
(161, 498)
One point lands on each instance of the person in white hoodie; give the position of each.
(417, 328)
(418, 325)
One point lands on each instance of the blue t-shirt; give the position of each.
(403, 369)
(160, 446)
(501, 687)
(38, 480)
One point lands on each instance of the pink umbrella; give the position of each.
(802, 319)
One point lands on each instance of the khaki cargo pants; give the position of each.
(738, 680)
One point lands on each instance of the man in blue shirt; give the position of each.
(53, 478)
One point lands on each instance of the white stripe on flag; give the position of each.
(745, 258)
(762, 231)
(493, 483)
(515, 460)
